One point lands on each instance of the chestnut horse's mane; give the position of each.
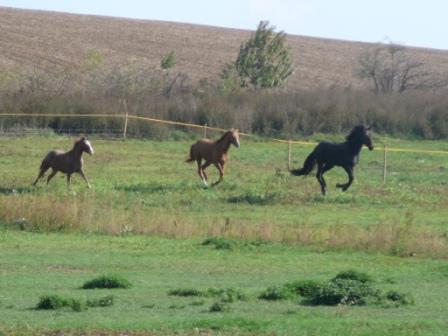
(223, 136)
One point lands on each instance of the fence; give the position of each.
(205, 128)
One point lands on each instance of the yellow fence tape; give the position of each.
(169, 122)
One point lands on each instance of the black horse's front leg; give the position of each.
(345, 186)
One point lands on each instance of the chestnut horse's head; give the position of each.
(85, 146)
(235, 137)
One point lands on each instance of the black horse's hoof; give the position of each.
(339, 185)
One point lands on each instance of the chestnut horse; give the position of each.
(326, 155)
(66, 162)
(213, 152)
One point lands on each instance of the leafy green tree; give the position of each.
(168, 61)
(264, 61)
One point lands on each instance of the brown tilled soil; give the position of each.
(53, 41)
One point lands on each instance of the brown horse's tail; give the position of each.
(191, 156)
(308, 166)
(46, 162)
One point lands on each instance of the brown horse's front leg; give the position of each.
(221, 173)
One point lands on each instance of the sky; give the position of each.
(408, 22)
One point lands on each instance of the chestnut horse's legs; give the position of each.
(203, 167)
(81, 172)
(220, 167)
(53, 173)
(201, 173)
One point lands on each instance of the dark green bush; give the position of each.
(107, 281)
(344, 291)
(353, 275)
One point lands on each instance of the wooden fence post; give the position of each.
(205, 131)
(289, 154)
(125, 127)
(384, 164)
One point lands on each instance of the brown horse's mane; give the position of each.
(223, 136)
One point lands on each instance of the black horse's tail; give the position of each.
(308, 166)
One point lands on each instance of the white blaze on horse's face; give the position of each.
(89, 146)
(236, 139)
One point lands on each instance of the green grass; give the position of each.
(261, 228)
(38, 264)
(146, 187)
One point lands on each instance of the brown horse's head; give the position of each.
(85, 146)
(235, 137)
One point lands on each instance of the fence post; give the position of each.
(125, 127)
(384, 164)
(289, 154)
(205, 131)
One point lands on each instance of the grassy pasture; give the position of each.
(37, 264)
(53, 240)
(146, 187)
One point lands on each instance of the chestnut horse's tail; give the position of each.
(308, 165)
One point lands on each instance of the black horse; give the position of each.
(346, 155)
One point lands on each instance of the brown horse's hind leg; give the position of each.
(201, 173)
(203, 167)
(41, 174)
(53, 173)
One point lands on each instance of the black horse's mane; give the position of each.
(356, 133)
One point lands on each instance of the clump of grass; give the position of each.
(303, 287)
(50, 302)
(399, 298)
(107, 281)
(106, 301)
(353, 275)
(219, 307)
(219, 243)
(186, 292)
(274, 293)
(225, 295)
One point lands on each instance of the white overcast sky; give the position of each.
(409, 22)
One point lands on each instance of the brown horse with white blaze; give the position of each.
(213, 152)
(66, 162)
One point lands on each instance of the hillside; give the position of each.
(53, 41)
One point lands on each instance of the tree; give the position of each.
(264, 61)
(389, 69)
(168, 61)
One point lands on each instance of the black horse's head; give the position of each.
(361, 134)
